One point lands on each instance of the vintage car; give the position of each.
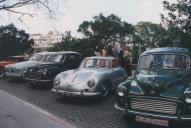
(45, 72)
(96, 76)
(9, 60)
(160, 90)
(17, 70)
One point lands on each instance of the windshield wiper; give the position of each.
(173, 67)
(90, 66)
(155, 65)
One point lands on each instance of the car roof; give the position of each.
(68, 52)
(62, 52)
(173, 50)
(100, 57)
(44, 53)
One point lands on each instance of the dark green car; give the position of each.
(160, 90)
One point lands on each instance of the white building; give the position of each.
(46, 41)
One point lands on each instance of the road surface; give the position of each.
(15, 113)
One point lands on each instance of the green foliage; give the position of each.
(178, 21)
(13, 41)
(152, 35)
(103, 30)
(100, 32)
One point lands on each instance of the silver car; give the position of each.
(96, 76)
(17, 70)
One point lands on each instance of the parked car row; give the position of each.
(158, 93)
(69, 74)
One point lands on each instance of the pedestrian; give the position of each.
(121, 58)
(103, 52)
(110, 50)
(128, 60)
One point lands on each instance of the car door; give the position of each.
(119, 74)
(72, 61)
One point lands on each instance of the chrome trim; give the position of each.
(153, 105)
(118, 108)
(76, 93)
(185, 118)
(12, 74)
(152, 115)
(28, 79)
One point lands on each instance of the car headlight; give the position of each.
(187, 96)
(45, 71)
(134, 83)
(135, 88)
(121, 91)
(91, 83)
(56, 82)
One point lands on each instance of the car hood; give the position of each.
(81, 75)
(163, 82)
(23, 65)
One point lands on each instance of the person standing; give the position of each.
(128, 60)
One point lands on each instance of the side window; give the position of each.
(78, 59)
(71, 60)
(63, 58)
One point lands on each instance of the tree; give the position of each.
(13, 6)
(103, 30)
(178, 21)
(151, 35)
(14, 41)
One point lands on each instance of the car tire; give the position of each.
(2, 73)
(106, 90)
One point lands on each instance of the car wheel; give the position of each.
(2, 73)
(105, 90)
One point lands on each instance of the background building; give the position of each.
(43, 42)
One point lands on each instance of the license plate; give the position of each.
(11, 74)
(152, 121)
(69, 94)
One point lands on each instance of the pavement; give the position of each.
(15, 113)
(62, 111)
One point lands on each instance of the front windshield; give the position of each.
(169, 61)
(36, 57)
(104, 63)
(53, 58)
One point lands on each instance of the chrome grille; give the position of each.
(12, 70)
(150, 105)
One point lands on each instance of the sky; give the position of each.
(71, 13)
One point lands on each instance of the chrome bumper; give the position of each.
(144, 114)
(119, 108)
(67, 93)
(36, 80)
(12, 74)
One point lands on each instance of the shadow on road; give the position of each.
(80, 101)
(40, 86)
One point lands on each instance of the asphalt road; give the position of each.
(94, 113)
